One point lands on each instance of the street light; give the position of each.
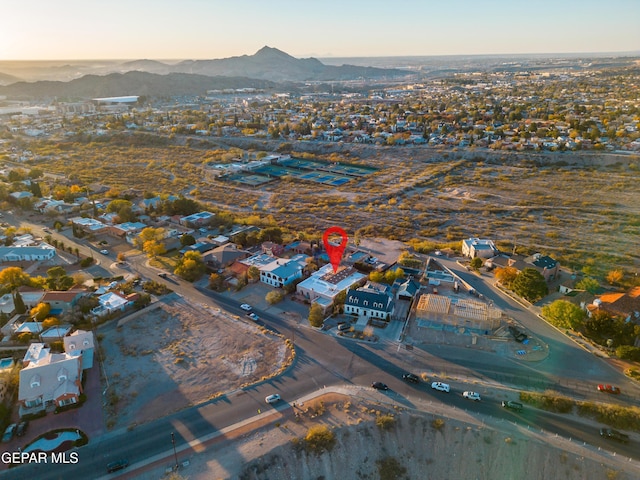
(175, 454)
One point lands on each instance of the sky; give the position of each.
(208, 29)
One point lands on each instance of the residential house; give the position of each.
(280, 272)
(64, 301)
(7, 305)
(408, 289)
(49, 380)
(621, 304)
(477, 247)
(36, 253)
(80, 343)
(369, 303)
(223, 256)
(546, 265)
(198, 219)
(273, 249)
(112, 302)
(55, 333)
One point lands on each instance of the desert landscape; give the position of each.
(178, 354)
(336, 436)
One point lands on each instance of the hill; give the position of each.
(130, 83)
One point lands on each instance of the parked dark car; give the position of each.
(117, 465)
(411, 377)
(519, 335)
(379, 386)
(343, 327)
(612, 434)
(22, 428)
(512, 405)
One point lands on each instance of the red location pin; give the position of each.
(335, 251)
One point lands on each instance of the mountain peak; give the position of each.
(271, 52)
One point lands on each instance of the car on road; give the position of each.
(609, 389)
(46, 230)
(246, 307)
(379, 386)
(611, 434)
(343, 327)
(22, 428)
(512, 405)
(253, 316)
(411, 377)
(441, 387)
(475, 396)
(104, 252)
(162, 275)
(274, 398)
(117, 465)
(9, 432)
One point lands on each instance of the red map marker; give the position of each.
(335, 251)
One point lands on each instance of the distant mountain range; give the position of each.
(153, 78)
(130, 83)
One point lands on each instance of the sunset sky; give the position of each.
(197, 29)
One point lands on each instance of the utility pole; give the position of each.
(175, 454)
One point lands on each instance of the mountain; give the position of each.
(130, 83)
(6, 79)
(275, 65)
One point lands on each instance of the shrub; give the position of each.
(627, 352)
(86, 262)
(390, 469)
(274, 297)
(385, 422)
(319, 439)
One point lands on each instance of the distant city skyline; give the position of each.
(208, 29)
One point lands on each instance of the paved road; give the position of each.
(327, 360)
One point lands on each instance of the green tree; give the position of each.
(476, 263)
(253, 273)
(589, 284)
(376, 277)
(564, 314)
(530, 285)
(186, 240)
(57, 279)
(315, 315)
(190, 267)
(273, 297)
(18, 303)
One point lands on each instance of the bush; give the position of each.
(274, 297)
(627, 352)
(319, 439)
(385, 422)
(390, 469)
(86, 262)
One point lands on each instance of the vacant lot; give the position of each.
(179, 354)
(377, 441)
(581, 208)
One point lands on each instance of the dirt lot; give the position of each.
(442, 443)
(178, 354)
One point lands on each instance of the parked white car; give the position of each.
(441, 387)
(472, 396)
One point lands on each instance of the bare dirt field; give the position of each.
(375, 441)
(178, 354)
(568, 205)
